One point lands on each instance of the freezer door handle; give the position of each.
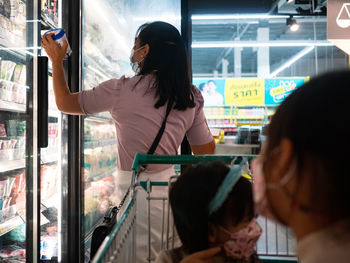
(43, 102)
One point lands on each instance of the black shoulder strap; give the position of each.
(156, 141)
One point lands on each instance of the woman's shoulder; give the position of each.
(197, 95)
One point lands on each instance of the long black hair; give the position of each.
(190, 197)
(167, 59)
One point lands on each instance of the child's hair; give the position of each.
(190, 197)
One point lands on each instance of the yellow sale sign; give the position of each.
(245, 92)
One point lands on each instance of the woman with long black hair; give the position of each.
(139, 104)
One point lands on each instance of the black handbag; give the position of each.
(110, 218)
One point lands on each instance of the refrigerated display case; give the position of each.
(15, 129)
(29, 227)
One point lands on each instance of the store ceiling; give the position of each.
(206, 60)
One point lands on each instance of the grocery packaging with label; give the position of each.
(60, 36)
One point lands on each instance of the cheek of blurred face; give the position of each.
(280, 203)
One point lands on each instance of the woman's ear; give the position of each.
(285, 156)
(212, 233)
(145, 50)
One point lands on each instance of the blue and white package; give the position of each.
(60, 36)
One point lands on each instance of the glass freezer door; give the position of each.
(17, 50)
(51, 157)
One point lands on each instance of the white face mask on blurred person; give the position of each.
(260, 187)
(136, 64)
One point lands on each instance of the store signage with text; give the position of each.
(246, 91)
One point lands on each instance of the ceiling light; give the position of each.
(289, 1)
(271, 43)
(236, 16)
(292, 23)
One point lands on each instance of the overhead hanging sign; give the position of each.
(338, 23)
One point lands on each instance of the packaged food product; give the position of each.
(60, 36)
(7, 68)
(12, 251)
(3, 187)
(2, 130)
(5, 8)
(11, 128)
(23, 76)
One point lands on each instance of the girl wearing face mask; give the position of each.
(213, 207)
(138, 106)
(302, 179)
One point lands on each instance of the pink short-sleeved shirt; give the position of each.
(131, 102)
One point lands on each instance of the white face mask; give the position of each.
(136, 65)
(260, 186)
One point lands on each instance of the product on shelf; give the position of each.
(49, 230)
(49, 11)
(12, 195)
(7, 69)
(49, 176)
(13, 253)
(102, 131)
(12, 82)
(2, 130)
(12, 140)
(98, 197)
(99, 160)
(53, 147)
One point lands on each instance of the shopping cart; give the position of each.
(120, 244)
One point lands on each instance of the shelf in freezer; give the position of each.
(49, 158)
(223, 126)
(12, 106)
(54, 113)
(102, 175)
(99, 143)
(8, 165)
(10, 225)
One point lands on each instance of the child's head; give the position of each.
(190, 197)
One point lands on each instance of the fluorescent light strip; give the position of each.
(292, 61)
(158, 18)
(250, 16)
(19, 48)
(259, 44)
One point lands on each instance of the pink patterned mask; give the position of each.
(242, 243)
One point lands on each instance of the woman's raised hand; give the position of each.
(55, 52)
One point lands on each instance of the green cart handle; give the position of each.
(142, 159)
